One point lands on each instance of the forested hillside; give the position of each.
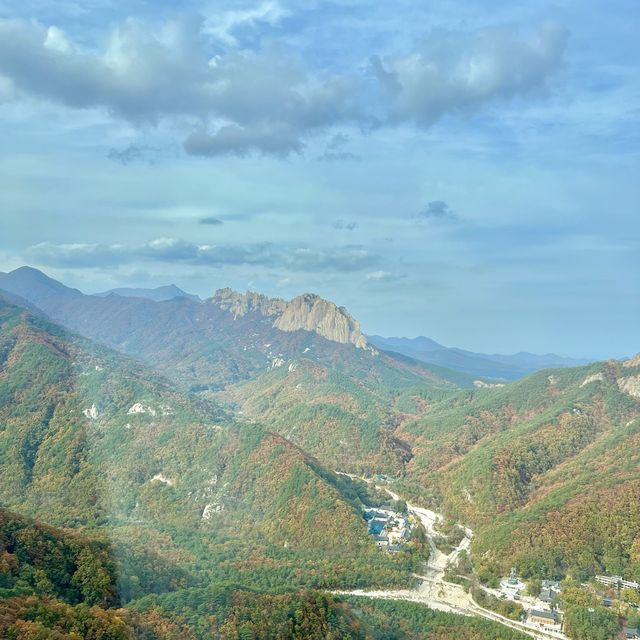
(162, 493)
(331, 398)
(59, 584)
(343, 412)
(536, 465)
(90, 439)
(195, 501)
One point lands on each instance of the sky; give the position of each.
(464, 170)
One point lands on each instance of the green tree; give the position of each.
(590, 623)
(92, 579)
(534, 587)
(630, 596)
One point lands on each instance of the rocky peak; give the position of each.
(310, 312)
(307, 312)
(632, 362)
(239, 304)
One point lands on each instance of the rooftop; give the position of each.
(548, 615)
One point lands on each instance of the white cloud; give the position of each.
(223, 26)
(457, 72)
(381, 276)
(266, 99)
(57, 40)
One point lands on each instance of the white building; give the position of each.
(618, 582)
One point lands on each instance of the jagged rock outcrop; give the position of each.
(239, 304)
(630, 385)
(310, 312)
(307, 312)
(632, 362)
(594, 377)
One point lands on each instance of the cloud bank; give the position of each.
(267, 100)
(175, 250)
(461, 72)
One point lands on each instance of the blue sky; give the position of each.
(463, 170)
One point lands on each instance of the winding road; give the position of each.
(436, 593)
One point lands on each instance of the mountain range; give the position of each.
(91, 437)
(192, 447)
(127, 320)
(305, 360)
(493, 366)
(165, 505)
(159, 294)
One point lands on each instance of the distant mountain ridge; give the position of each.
(159, 294)
(497, 366)
(308, 312)
(34, 286)
(148, 323)
(276, 347)
(216, 342)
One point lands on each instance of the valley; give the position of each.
(318, 320)
(434, 591)
(196, 441)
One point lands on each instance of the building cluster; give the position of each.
(389, 528)
(617, 582)
(544, 613)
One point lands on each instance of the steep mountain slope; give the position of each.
(59, 584)
(208, 345)
(159, 294)
(303, 366)
(14, 299)
(344, 412)
(35, 558)
(88, 437)
(496, 366)
(196, 522)
(535, 464)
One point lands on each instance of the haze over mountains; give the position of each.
(168, 483)
(243, 347)
(404, 403)
(159, 294)
(129, 324)
(505, 367)
(214, 429)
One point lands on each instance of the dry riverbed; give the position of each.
(433, 591)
